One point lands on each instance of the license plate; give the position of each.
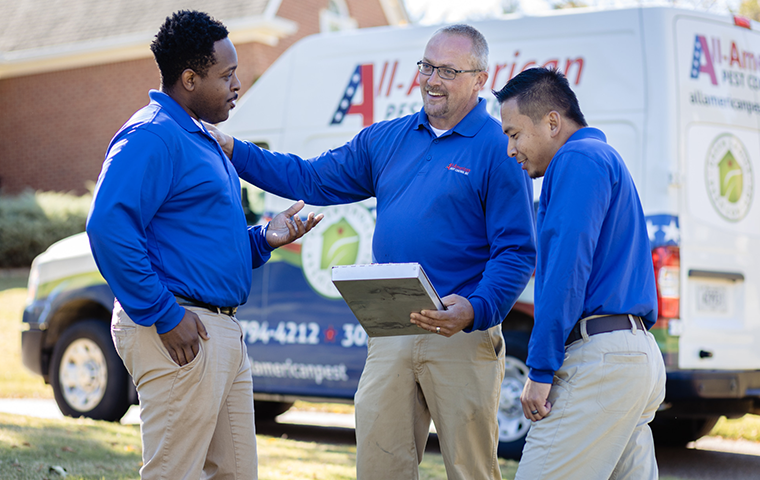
(712, 298)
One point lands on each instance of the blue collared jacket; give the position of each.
(167, 218)
(456, 204)
(593, 248)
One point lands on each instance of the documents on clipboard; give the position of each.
(383, 295)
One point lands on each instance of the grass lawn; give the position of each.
(31, 447)
(88, 449)
(747, 428)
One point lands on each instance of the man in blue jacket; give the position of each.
(596, 374)
(169, 235)
(449, 198)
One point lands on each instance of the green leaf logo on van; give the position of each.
(730, 178)
(344, 237)
(340, 245)
(728, 175)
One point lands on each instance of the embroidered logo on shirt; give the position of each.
(456, 168)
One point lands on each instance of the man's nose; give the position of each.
(235, 86)
(435, 78)
(511, 150)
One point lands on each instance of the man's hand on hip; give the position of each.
(457, 316)
(182, 341)
(535, 401)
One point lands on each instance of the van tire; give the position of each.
(87, 375)
(513, 426)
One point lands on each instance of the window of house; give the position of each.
(336, 17)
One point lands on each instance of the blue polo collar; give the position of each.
(174, 110)
(469, 126)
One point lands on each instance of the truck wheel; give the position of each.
(267, 411)
(677, 432)
(87, 375)
(513, 426)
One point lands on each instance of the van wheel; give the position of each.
(87, 375)
(267, 411)
(513, 426)
(677, 432)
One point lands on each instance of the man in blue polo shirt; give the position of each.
(596, 374)
(449, 198)
(169, 235)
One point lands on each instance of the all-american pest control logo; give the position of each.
(345, 240)
(728, 175)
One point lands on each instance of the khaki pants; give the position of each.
(196, 421)
(408, 380)
(603, 398)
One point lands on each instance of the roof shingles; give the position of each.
(33, 24)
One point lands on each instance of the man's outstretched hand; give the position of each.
(288, 226)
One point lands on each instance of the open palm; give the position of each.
(288, 226)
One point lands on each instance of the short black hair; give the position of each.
(186, 40)
(539, 91)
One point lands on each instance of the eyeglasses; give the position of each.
(445, 73)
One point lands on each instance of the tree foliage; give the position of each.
(750, 9)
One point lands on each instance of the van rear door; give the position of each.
(718, 104)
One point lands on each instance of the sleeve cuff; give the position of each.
(478, 309)
(170, 320)
(267, 247)
(541, 376)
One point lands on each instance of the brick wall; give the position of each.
(55, 127)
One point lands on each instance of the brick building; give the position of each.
(73, 71)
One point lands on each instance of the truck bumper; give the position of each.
(31, 350)
(713, 392)
(688, 384)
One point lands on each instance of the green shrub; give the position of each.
(32, 221)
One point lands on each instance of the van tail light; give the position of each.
(667, 275)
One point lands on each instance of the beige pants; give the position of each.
(196, 421)
(603, 398)
(408, 380)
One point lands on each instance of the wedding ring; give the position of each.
(534, 412)
(437, 329)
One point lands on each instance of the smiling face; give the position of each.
(447, 102)
(533, 145)
(215, 93)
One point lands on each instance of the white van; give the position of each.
(678, 94)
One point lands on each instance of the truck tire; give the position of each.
(513, 426)
(677, 432)
(87, 375)
(267, 411)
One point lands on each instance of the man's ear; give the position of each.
(187, 79)
(554, 122)
(482, 79)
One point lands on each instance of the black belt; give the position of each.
(191, 302)
(606, 324)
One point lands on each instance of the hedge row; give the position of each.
(32, 221)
